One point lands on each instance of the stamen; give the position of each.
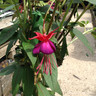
(50, 66)
(44, 66)
(39, 67)
(40, 63)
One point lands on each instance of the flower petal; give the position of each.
(47, 47)
(39, 36)
(55, 29)
(36, 49)
(35, 37)
(51, 33)
(52, 45)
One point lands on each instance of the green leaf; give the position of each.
(52, 93)
(92, 1)
(28, 81)
(54, 26)
(80, 24)
(40, 28)
(28, 47)
(16, 80)
(6, 9)
(94, 34)
(21, 36)
(7, 33)
(53, 39)
(8, 70)
(51, 80)
(3, 6)
(44, 8)
(74, 1)
(1, 1)
(12, 42)
(9, 1)
(64, 50)
(42, 91)
(83, 39)
(72, 34)
(38, 20)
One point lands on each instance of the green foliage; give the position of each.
(38, 20)
(53, 39)
(92, 1)
(64, 50)
(7, 33)
(44, 8)
(12, 43)
(1, 1)
(41, 3)
(42, 91)
(83, 23)
(83, 39)
(16, 80)
(74, 1)
(8, 70)
(28, 47)
(7, 9)
(94, 34)
(28, 81)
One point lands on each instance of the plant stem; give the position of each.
(69, 6)
(46, 16)
(35, 4)
(25, 14)
(35, 78)
(63, 2)
(86, 32)
(82, 3)
(74, 9)
(76, 21)
(48, 9)
(30, 9)
(52, 16)
(83, 12)
(18, 13)
(39, 77)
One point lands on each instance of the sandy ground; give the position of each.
(77, 75)
(5, 22)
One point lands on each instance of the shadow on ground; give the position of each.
(79, 51)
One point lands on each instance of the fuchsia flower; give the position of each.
(21, 8)
(53, 5)
(47, 48)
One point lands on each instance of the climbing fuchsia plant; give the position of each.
(40, 51)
